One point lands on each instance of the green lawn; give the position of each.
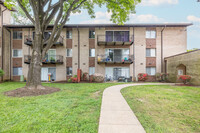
(165, 109)
(76, 108)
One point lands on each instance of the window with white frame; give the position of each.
(69, 52)
(91, 70)
(17, 34)
(69, 71)
(17, 71)
(150, 34)
(69, 34)
(151, 71)
(91, 34)
(150, 52)
(17, 53)
(92, 53)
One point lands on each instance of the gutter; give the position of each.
(2, 45)
(10, 53)
(162, 48)
(78, 47)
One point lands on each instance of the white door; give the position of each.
(44, 74)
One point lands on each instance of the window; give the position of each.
(117, 36)
(69, 34)
(150, 34)
(150, 52)
(92, 34)
(92, 53)
(151, 71)
(17, 71)
(69, 71)
(180, 72)
(91, 70)
(17, 53)
(69, 53)
(17, 34)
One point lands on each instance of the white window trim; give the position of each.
(71, 33)
(150, 53)
(17, 56)
(18, 68)
(17, 39)
(94, 52)
(150, 34)
(66, 52)
(151, 67)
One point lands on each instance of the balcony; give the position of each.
(112, 40)
(29, 39)
(121, 59)
(48, 59)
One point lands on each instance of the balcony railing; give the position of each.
(28, 40)
(116, 59)
(48, 59)
(112, 40)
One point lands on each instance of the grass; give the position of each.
(165, 109)
(76, 108)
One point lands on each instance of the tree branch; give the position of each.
(25, 11)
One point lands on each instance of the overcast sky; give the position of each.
(155, 11)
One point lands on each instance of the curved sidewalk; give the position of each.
(116, 115)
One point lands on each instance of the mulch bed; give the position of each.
(23, 92)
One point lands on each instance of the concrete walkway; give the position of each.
(116, 115)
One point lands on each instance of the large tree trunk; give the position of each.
(34, 73)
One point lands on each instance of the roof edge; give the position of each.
(182, 54)
(111, 25)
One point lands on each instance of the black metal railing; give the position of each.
(28, 40)
(48, 59)
(115, 59)
(115, 39)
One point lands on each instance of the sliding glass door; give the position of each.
(117, 36)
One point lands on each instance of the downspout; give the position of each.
(10, 53)
(162, 48)
(2, 38)
(78, 47)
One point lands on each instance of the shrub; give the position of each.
(74, 80)
(99, 78)
(142, 76)
(75, 76)
(1, 72)
(69, 80)
(185, 78)
(85, 76)
(162, 76)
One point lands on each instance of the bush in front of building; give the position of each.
(1, 72)
(99, 78)
(185, 78)
(142, 76)
(162, 77)
(74, 79)
(69, 80)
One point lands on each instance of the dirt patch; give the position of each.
(96, 94)
(23, 92)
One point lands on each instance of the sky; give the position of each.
(154, 11)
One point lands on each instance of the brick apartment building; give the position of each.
(109, 49)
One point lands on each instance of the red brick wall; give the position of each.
(68, 61)
(17, 44)
(91, 61)
(68, 43)
(150, 43)
(91, 43)
(17, 62)
(16, 78)
(150, 61)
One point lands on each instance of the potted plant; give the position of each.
(52, 59)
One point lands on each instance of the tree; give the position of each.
(42, 12)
